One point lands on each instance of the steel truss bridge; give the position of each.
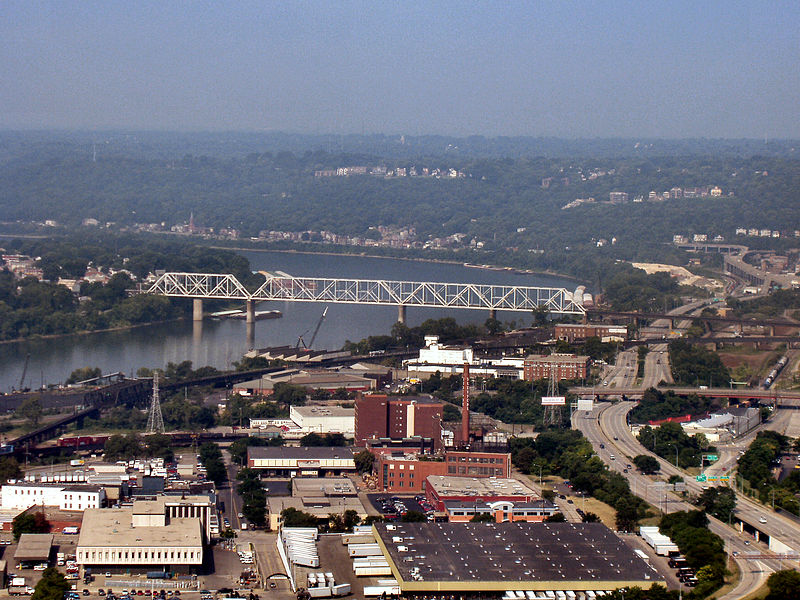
(366, 291)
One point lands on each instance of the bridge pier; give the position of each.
(250, 332)
(401, 314)
(197, 309)
(493, 314)
(251, 311)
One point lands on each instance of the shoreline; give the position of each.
(443, 261)
(54, 336)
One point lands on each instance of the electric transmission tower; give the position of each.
(155, 422)
(552, 410)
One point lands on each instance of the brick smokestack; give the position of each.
(465, 406)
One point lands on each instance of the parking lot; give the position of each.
(394, 507)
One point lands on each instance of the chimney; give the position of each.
(465, 406)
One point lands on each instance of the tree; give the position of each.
(364, 461)
(718, 501)
(647, 464)
(29, 523)
(83, 374)
(590, 517)
(238, 449)
(52, 586)
(9, 468)
(483, 518)
(627, 514)
(291, 517)
(555, 518)
(414, 516)
(123, 447)
(784, 585)
(211, 456)
(342, 523)
(30, 409)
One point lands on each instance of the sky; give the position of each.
(572, 69)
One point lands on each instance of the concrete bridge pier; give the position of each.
(493, 313)
(250, 309)
(250, 332)
(197, 309)
(401, 314)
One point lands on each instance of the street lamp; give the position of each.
(676, 454)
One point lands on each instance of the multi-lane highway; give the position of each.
(607, 428)
(614, 443)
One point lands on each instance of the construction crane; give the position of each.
(300, 339)
(24, 371)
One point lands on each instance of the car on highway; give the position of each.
(762, 519)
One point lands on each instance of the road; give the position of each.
(656, 366)
(601, 428)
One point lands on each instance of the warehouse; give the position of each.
(118, 540)
(285, 461)
(34, 548)
(493, 558)
(440, 489)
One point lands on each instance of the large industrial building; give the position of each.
(324, 419)
(566, 366)
(139, 539)
(311, 379)
(407, 473)
(379, 416)
(312, 461)
(23, 495)
(450, 360)
(494, 558)
(576, 331)
(317, 497)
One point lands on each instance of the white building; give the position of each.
(449, 360)
(66, 497)
(118, 540)
(324, 419)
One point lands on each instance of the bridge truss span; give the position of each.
(369, 291)
(199, 285)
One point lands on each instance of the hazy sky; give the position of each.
(557, 67)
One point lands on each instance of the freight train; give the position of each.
(774, 373)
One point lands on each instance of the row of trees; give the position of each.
(755, 468)
(568, 454)
(657, 405)
(704, 550)
(669, 441)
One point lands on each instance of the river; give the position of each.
(219, 342)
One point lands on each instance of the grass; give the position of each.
(731, 580)
(607, 514)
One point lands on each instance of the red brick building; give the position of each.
(572, 331)
(440, 489)
(408, 474)
(567, 366)
(379, 416)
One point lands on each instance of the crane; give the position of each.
(300, 339)
(24, 370)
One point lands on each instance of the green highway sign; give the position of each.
(711, 457)
(701, 478)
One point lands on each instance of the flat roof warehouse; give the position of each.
(489, 557)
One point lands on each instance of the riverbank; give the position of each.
(441, 261)
(85, 332)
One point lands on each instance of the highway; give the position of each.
(607, 429)
(602, 425)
